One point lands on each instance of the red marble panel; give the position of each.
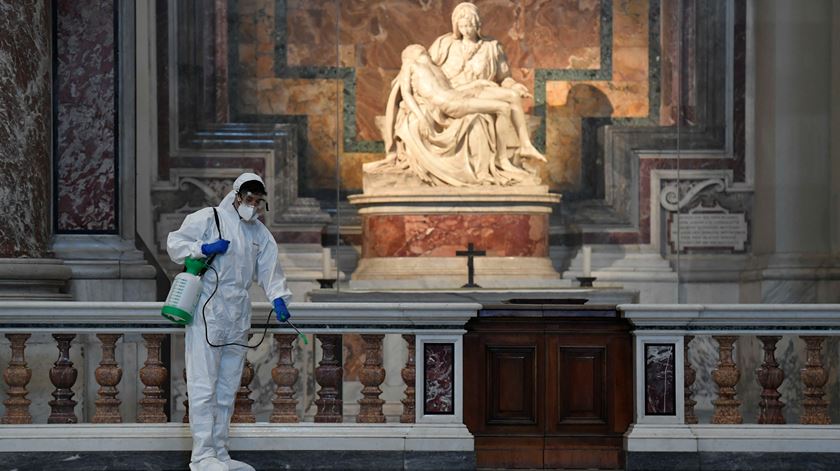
(381, 29)
(558, 34)
(312, 29)
(630, 23)
(85, 96)
(441, 235)
(439, 378)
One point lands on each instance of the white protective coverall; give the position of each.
(214, 373)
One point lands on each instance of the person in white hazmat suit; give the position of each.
(245, 250)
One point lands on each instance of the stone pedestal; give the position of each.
(410, 238)
(106, 268)
(34, 279)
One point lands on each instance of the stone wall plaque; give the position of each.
(702, 230)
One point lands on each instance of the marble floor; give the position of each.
(261, 460)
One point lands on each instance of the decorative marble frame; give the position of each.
(656, 209)
(420, 343)
(639, 378)
(121, 16)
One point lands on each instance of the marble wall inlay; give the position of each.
(660, 361)
(501, 235)
(24, 127)
(439, 378)
(85, 103)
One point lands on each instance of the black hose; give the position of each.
(204, 316)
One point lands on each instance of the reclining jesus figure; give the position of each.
(430, 128)
(421, 79)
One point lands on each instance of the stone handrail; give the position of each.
(439, 324)
(32, 316)
(665, 379)
(733, 318)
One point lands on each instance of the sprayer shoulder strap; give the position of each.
(218, 226)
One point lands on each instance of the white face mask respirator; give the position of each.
(247, 213)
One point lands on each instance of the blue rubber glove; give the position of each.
(218, 247)
(280, 310)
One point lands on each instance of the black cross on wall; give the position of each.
(470, 253)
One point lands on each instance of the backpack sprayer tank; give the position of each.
(183, 297)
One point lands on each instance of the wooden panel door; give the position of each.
(584, 422)
(511, 374)
(503, 398)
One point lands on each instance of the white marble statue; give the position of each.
(454, 115)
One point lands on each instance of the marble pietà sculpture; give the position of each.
(454, 116)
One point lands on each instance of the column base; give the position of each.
(106, 268)
(34, 279)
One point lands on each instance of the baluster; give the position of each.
(814, 378)
(153, 375)
(372, 376)
(409, 374)
(186, 402)
(17, 376)
(63, 377)
(690, 377)
(242, 413)
(770, 377)
(726, 376)
(108, 375)
(329, 375)
(285, 376)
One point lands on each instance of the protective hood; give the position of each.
(245, 177)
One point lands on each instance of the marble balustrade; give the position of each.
(426, 325)
(768, 404)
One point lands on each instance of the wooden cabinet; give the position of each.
(548, 386)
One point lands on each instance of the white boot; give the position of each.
(235, 465)
(209, 464)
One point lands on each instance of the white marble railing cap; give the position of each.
(732, 315)
(332, 315)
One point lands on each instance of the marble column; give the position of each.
(794, 213)
(25, 155)
(792, 240)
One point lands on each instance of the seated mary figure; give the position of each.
(474, 145)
